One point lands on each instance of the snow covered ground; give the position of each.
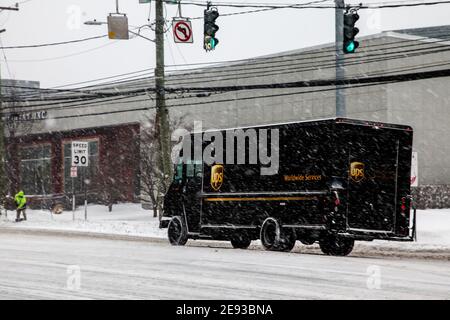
(125, 219)
(433, 226)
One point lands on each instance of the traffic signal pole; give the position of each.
(340, 71)
(162, 113)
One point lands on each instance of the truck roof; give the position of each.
(366, 123)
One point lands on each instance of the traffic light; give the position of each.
(210, 29)
(350, 31)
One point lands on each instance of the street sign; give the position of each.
(80, 154)
(73, 172)
(118, 27)
(182, 31)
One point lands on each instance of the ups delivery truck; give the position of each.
(337, 181)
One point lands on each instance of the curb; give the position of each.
(79, 234)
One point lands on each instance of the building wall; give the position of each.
(118, 159)
(425, 105)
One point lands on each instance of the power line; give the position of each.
(6, 60)
(105, 78)
(145, 89)
(291, 67)
(306, 6)
(323, 53)
(66, 56)
(286, 69)
(52, 43)
(198, 103)
(315, 83)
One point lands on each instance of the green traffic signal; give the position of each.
(213, 43)
(210, 43)
(350, 47)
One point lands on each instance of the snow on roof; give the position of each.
(437, 32)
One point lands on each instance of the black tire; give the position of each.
(240, 241)
(275, 238)
(177, 232)
(288, 237)
(270, 234)
(336, 246)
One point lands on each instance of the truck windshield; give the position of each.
(178, 173)
(194, 169)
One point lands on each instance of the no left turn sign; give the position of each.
(182, 31)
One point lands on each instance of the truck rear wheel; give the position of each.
(274, 238)
(240, 241)
(336, 246)
(177, 232)
(287, 239)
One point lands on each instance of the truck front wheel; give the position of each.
(336, 246)
(240, 241)
(177, 232)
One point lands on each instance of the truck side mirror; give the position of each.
(336, 183)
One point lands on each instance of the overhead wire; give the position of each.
(252, 64)
(315, 83)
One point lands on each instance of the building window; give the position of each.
(90, 173)
(35, 170)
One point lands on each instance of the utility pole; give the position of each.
(2, 150)
(2, 130)
(162, 114)
(340, 71)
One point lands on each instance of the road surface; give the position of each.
(46, 267)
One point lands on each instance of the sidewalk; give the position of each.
(125, 219)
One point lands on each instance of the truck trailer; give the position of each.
(337, 181)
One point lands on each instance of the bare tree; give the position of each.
(154, 184)
(16, 122)
(3, 188)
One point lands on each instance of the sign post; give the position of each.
(73, 175)
(80, 158)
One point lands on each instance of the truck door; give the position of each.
(191, 195)
(372, 180)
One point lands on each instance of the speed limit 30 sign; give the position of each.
(80, 154)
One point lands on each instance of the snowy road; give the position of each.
(36, 266)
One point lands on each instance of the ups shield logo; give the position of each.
(216, 176)
(357, 171)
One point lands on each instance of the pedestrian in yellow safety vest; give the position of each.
(21, 205)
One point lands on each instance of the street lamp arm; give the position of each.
(139, 35)
(99, 23)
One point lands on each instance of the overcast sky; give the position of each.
(241, 36)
